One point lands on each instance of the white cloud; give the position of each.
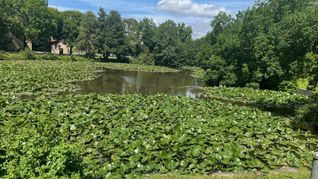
(201, 28)
(189, 8)
(62, 8)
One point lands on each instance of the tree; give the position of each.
(184, 32)
(219, 23)
(265, 45)
(116, 39)
(10, 20)
(71, 21)
(166, 44)
(102, 34)
(3, 23)
(36, 22)
(219, 73)
(133, 36)
(147, 28)
(173, 45)
(87, 34)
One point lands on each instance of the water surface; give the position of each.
(145, 83)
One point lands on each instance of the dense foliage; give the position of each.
(54, 76)
(270, 43)
(249, 95)
(27, 19)
(116, 136)
(308, 114)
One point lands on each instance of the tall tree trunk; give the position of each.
(71, 50)
(107, 56)
(104, 56)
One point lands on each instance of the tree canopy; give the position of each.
(263, 46)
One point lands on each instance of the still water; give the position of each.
(146, 83)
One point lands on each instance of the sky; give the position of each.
(196, 13)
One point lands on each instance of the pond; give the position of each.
(145, 83)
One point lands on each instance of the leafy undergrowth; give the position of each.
(307, 115)
(47, 77)
(116, 136)
(254, 96)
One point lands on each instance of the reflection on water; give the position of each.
(147, 83)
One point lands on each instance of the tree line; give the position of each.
(104, 33)
(268, 46)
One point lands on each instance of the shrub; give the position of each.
(253, 85)
(144, 59)
(49, 56)
(2, 55)
(90, 54)
(288, 86)
(309, 113)
(28, 55)
(224, 77)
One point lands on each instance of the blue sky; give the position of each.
(196, 13)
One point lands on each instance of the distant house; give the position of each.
(59, 47)
(13, 42)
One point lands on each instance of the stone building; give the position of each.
(59, 47)
(13, 43)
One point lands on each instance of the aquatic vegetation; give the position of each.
(249, 95)
(47, 77)
(137, 67)
(127, 135)
(197, 72)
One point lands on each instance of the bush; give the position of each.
(223, 77)
(144, 59)
(253, 85)
(90, 54)
(28, 55)
(49, 56)
(2, 55)
(288, 86)
(308, 114)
